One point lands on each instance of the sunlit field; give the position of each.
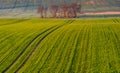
(60, 46)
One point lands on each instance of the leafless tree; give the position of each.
(41, 11)
(53, 10)
(64, 9)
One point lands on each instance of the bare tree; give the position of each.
(53, 10)
(76, 8)
(64, 9)
(41, 11)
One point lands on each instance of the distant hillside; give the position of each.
(29, 7)
(87, 5)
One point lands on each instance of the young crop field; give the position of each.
(60, 46)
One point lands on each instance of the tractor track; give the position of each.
(58, 50)
(50, 53)
(53, 29)
(25, 49)
(8, 55)
(17, 46)
(68, 22)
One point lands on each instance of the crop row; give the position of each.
(60, 46)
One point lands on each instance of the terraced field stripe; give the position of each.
(66, 23)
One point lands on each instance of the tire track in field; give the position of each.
(11, 51)
(49, 55)
(26, 48)
(15, 22)
(66, 23)
(53, 29)
(62, 36)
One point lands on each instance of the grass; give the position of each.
(60, 46)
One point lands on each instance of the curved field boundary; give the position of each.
(55, 27)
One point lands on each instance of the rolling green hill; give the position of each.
(60, 46)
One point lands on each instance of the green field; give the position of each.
(60, 46)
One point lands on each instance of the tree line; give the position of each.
(60, 11)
